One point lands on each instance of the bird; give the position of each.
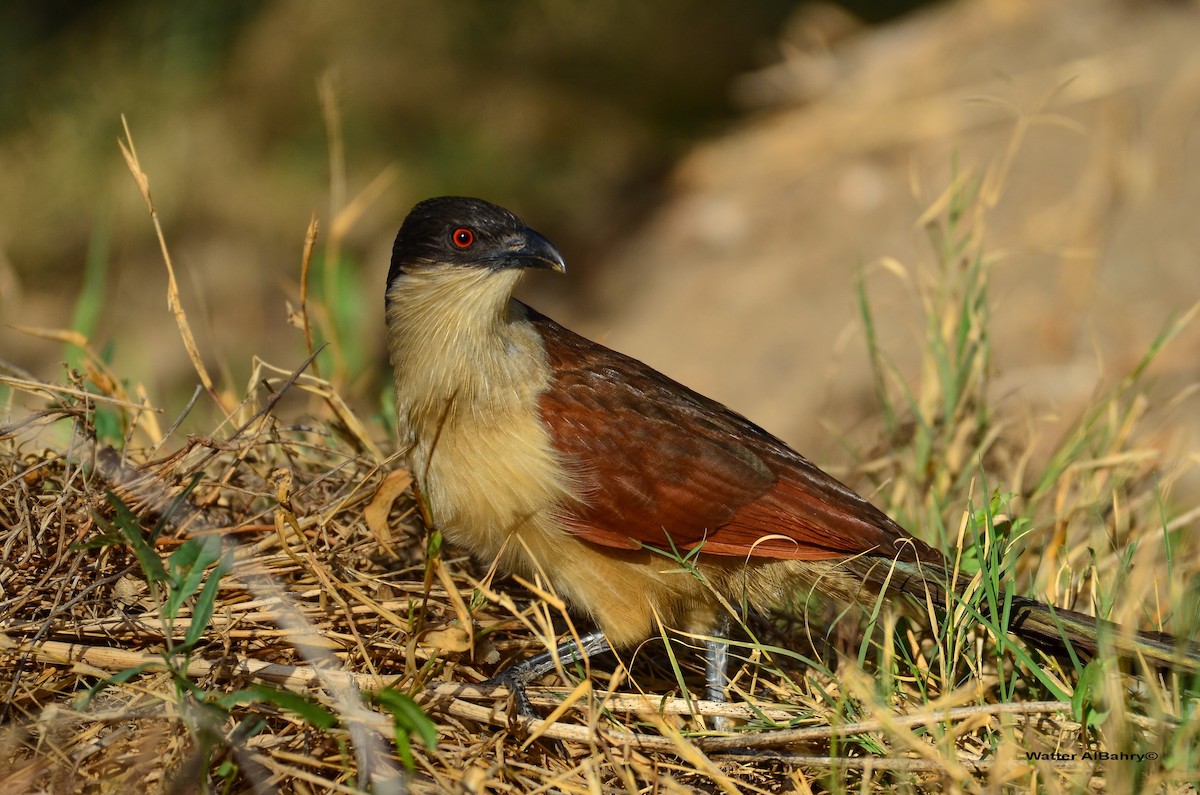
(550, 455)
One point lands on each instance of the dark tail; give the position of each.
(1056, 631)
(1053, 629)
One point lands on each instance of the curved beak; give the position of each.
(531, 250)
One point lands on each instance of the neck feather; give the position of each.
(456, 339)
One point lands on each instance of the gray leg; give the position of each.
(519, 674)
(716, 664)
(716, 661)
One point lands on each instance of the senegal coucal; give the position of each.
(557, 456)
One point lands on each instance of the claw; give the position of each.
(516, 676)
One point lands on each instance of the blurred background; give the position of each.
(717, 175)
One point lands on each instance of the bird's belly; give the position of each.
(490, 485)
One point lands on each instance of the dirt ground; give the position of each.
(742, 284)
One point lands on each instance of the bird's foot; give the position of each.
(516, 676)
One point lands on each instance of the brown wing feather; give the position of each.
(664, 466)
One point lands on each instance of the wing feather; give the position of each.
(664, 466)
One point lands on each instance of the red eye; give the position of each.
(463, 237)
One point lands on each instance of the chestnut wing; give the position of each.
(663, 466)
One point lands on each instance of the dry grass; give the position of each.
(326, 583)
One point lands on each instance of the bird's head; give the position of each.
(454, 233)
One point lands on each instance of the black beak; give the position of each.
(531, 250)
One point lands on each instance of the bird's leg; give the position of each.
(716, 666)
(716, 663)
(519, 674)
